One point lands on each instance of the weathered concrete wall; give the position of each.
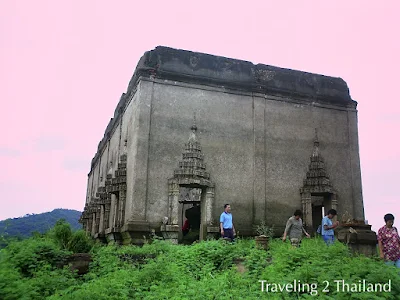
(225, 138)
(257, 149)
(130, 130)
(256, 127)
(354, 157)
(96, 180)
(104, 165)
(289, 135)
(114, 150)
(89, 188)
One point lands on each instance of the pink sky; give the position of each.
(64, 66)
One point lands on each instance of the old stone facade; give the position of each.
(266, 140)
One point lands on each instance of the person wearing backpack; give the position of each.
(389, 242)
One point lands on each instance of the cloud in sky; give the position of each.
(76, 164)
(49, 143)
(9, 152)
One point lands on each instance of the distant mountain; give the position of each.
(24, 227)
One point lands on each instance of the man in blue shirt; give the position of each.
(327, 232)
(226, 223)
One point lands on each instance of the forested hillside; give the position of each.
(23, 227)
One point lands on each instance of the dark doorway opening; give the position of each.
(321, 203)
(317, 215)
(190, 216)
(191, 225)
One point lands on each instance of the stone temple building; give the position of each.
(195, 131)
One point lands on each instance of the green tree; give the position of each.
(62, 233)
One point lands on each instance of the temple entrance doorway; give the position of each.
(190, 215)
(190, 193)
(317, 215)
(320, 203)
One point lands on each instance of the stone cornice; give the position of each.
(200, 68)
(183, 66)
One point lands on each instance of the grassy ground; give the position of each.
(206, 270)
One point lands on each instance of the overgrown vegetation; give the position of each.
(35, 268)
(214, 269)
(24, 227)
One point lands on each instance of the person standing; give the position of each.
(389, 242)
(327, 228)
(294, 228)
(226, 223)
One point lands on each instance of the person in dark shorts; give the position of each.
(226, 223)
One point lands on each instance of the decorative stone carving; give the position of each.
(317, 179)
(113, 185)
(191, 174)
(191, 169)
(264, 75)
(193, 61)
(316, 183)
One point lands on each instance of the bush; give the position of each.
(30, 255)
(32, 269)
(79, 242)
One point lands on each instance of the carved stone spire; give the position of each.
(192, 137)
(110, 168)
(125, 148)
(192, 169)
(317, 179)
(316, 144)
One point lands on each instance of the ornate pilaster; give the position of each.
(107, 207)
(121, 208)
(90, 224)
(334, 202)
(307, 210)
(209, 205)
(84, 218)
(97, 225)
(101, 221)
(109, 204)
(120, 184)
(112, 211)
(173, 200)
(93, 231)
